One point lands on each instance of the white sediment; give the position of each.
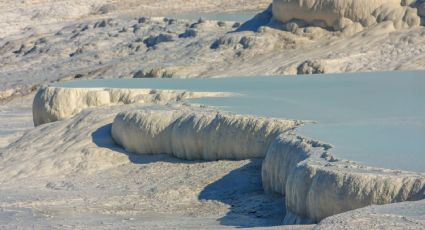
(339, 14)
(197, 135)
(405, 215)
(54, 103)
(314, 184)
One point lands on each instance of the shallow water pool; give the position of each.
(374, 118)
(236, 16)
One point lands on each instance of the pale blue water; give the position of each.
(237, 16)
(374, 118)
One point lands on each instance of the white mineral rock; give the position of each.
(333, 12)
(314, 184)
(197, 135)
(55, 103)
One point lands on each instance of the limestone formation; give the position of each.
(333, 13)
(315, 184)
(54, 103)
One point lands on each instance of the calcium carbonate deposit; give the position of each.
(170, 155)
(53, 104)
(345, 14)
(315, 184)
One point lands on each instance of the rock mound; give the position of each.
(54, 103)
(339, 14)
(311, 67)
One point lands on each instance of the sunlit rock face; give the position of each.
(343, 14)
(197, 135)
(55, 103)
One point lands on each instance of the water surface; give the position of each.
(374, 118)
(236, 16)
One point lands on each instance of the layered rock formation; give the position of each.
(316, 186)
(197, 135)
(343, 14)
(55, 103)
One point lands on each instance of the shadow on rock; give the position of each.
(103, 139)
(241, 189)
(261, 19)
(249, 205)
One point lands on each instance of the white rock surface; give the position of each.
(403, 216)
(316, 185)
(197, 135)
(317, 188)
(335, 12)
(55, 103)
(15, 119)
